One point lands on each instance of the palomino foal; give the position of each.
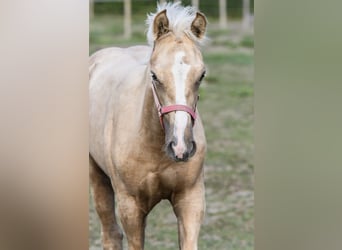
(147, 141)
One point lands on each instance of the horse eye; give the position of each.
(202, 76)
(154, 77)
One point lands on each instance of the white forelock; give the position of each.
(180, 20)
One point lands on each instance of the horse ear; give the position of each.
(199, 25)
(160, 24)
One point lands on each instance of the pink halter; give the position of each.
(175, 107)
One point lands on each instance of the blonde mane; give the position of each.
(180, 20)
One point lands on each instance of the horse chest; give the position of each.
(156, 180)
(165, 181)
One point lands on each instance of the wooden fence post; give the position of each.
(246, 15)
(127, 19)
(223, 13)
(91, 8)
(195, 3)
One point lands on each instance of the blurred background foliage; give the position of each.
(234, 7)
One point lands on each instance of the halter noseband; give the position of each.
(175, 107)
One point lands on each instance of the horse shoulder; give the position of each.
(114, 77)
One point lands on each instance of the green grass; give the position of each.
(226, 107)
(231, 58)
(106, 30)
(247, 41)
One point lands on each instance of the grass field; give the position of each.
(226, 107)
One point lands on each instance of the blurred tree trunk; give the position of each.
(127, 19)
(162, 1)
(246, 15)
(223, 13)
(195, 3)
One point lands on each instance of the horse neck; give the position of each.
(151, 126)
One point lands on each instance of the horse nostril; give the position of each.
(192, 149)
(171, 145)
(185, 156)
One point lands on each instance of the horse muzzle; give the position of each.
(179, 151)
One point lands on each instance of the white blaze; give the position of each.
(180, 72)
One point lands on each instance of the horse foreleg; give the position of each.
(103, 195)
(189, 207)
(133, 220)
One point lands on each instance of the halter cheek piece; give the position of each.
(175, 107)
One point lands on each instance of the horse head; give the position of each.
(176, 70)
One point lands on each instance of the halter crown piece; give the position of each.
(162, 110)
